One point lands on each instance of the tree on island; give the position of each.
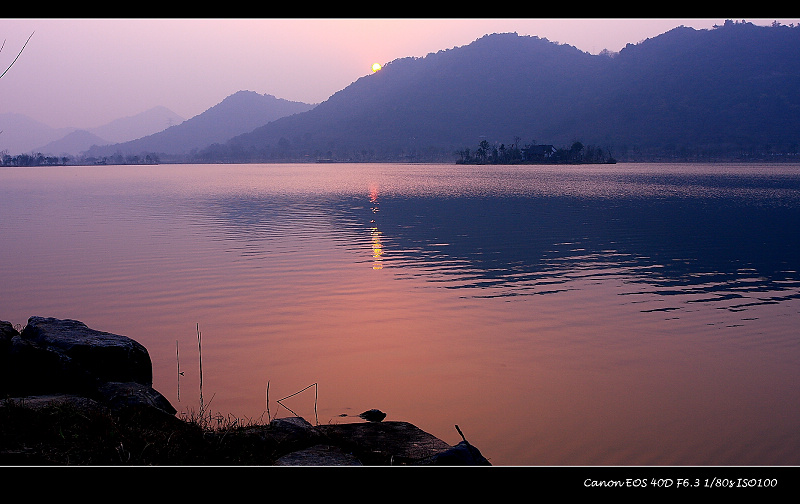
(534, 153)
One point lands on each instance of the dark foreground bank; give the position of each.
(72, 395)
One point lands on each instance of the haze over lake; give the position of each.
(629, 314)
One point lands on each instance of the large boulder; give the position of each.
(7, 331)
(29, 368)
(104, 356)
(53, 356)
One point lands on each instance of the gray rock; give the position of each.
(29, 369)
(104, 356)
(294, 433)
(54, 357)
(369, 444)
(46, 401)
(461, 454)
(119, 395)
(292, 424)
(373, 415)
(7, 332)
(384, 443)
(319, 455)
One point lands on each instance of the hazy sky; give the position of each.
(87, 72)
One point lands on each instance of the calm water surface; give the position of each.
(590, 315)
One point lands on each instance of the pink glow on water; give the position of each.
(581, 365)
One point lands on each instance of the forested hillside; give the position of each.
(729, 92)
(238, 113)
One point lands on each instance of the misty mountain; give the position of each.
(240, 112)
(75, 142)
(728, 91)
(130, 128)
(21, 134)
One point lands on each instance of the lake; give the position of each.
(629, 314)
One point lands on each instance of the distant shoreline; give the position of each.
(777, 161)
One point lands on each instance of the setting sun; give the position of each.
(376, 67)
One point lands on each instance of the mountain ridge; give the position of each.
(238, 113)
(23, 134)
(729, 91)
(145, 123)
(73, 143)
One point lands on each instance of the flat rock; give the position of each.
(38, 402)
(384, 443)
(319, 455)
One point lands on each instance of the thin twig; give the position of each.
(18, 55)
(462, 435)
(316, 395)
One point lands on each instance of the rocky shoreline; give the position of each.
(72, 395)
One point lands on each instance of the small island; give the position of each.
(534, 153)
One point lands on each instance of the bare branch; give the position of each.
(18, 55)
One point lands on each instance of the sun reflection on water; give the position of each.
(375, 234)
(377, 249)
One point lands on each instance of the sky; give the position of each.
(85, 73)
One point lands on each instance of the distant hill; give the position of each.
(731, 91)
(238, 113)
(21, 134)
(130, 128)
(73, 143)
